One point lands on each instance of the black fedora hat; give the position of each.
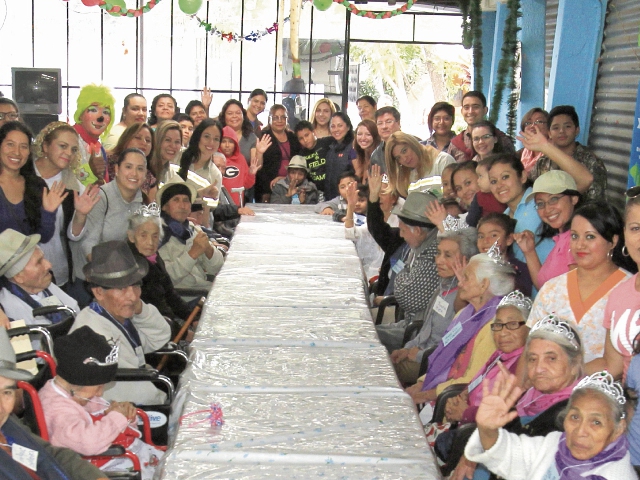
(113, 265)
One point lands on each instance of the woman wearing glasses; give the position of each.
(284, 145)
(485, 140)
(8, 111)
(534, 119)
(556, 196)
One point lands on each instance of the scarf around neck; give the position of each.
(534, 402)
(173, 228)
(441, 360)
(569, 468)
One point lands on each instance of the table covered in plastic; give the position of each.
(287, 378)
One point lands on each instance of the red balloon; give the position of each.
(90, 3)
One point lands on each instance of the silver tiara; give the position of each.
(604, 382)
(550, 323)
(453, 224)
(150, 210)
(516, 299)
(385, 178)
(495, 255)
(109, 359)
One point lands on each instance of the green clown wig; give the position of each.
(96, 94)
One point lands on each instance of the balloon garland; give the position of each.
(375, 15)
(115, 7)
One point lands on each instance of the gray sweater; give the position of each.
(108, 220)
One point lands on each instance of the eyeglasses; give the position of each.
(633, 192)
(537, 122)
(484, 138)
(9, 116)
(497, 327)
(278, 118)
(552, 201)
(386, 122)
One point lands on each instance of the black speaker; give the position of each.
(37, 122)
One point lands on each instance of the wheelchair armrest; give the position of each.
(146, 375)
(15, 332)
(441, 402)
(112, 451)
(37, 312)
(411, 329)
(169, 347)
(191, 292)
(387, 301)
(136, 374)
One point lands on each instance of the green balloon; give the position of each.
(322, 5)
(190, 6)
(118, 3)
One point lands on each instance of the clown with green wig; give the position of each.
(93, 121)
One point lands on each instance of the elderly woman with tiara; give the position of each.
(467, 343)
(553, 359)
(57, 158)
(593, 444)
(145, 233)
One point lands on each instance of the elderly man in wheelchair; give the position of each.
(26, 281)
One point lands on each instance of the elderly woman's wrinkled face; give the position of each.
(413, 235)
(513, 332)
(146, 238)
(548, 366)
(469, 288)
(589, 426)
(83, 394)
(447, 254)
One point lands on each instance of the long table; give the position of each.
(287, 351)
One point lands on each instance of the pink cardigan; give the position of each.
(70, 425)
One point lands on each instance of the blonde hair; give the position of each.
(332, 107)
(48, 134)
(398, 174)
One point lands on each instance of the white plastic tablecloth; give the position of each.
(287, 348)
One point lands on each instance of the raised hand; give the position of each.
(526, 241)
(375, 183)
(535, 142)
(352, 194)
(458, 266)
(206, 98)
(263, 144)
(255, 166)
(52, 198)
(494, 411)
(436, 213)
(84, 203)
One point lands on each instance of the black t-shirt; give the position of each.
(317, 161)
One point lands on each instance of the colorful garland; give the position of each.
(117, 10)
(375, 15)
(236, 37)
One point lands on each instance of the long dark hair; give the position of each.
(348, 138)
(607, 221)
(510, 159)
(128, 135)
(247, 128)
(32, 183)
(192, 152)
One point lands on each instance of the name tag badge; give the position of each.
(140, 355)
(453, 333)
(475, 383)
(50, 301)
(25, 456)
(441, 306)
(398, 267)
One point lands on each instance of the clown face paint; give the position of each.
(95, 119)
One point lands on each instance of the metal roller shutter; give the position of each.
(615, 97)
